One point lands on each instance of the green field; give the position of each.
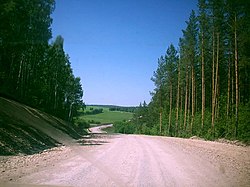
(105, 117)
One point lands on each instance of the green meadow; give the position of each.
(106, 116)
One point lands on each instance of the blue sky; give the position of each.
(114, 44)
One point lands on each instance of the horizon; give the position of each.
(109, 105)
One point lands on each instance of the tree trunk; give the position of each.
(228, 87)
(232, 96)
(181, 105)
(202, 84)
(214, 81)
(228, 92)
(160, 120)
(213, 65)
(20, 74)
(160, 112)
(177, 100)
(217, 104)
(70, 111)
(216, 90)
(189, 100)
(186, 99)
(55, 95)
(193, 99)
(236, 79)
(170, 110)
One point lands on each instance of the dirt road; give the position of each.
(134, 160)
(99, 129)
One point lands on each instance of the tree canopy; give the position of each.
(34, 71)
(203, 88)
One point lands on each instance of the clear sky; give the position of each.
(114, 44)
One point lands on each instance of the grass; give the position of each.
(110, 130)
(107, 116)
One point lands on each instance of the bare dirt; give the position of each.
(25, 130)
(132, 160)
(47, 151)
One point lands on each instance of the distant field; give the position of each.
(107, 116)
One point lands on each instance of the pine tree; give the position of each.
(190, 36)
(203, 27)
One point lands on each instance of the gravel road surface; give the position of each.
(99, 129)
(132, 160)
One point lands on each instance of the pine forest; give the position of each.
(202, 85)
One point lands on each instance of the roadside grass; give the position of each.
(110, 130)
(105, 117)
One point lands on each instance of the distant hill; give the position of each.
(110, 106)
(117, 108)
(25, 130)
(104, 114)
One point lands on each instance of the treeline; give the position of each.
(123, 109)
(116, 108)
(93, 111)
(32, 70)
(202, 87)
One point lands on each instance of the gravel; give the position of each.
(132, 160)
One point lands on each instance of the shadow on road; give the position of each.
(91, 142)
(96, 139)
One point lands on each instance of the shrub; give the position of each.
(81, 126)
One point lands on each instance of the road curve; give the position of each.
(99, 129)
(137, 160)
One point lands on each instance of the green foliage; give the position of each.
(122, 109)
(110, 130)
(106, 116)
(244, 123)
(94, 122)
(81, 124)
(213, 30)
(124, 127)
(94, 111)
(33, 71)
